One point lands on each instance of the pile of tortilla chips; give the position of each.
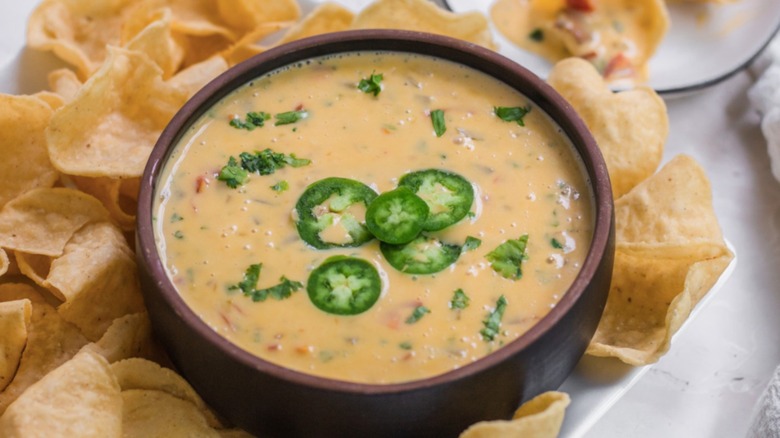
(77, 356)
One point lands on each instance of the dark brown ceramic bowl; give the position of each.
(269, 400)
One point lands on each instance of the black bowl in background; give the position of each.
(269, 400)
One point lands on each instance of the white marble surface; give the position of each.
(709, 382)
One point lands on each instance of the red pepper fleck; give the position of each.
(580, 5)
(200, 183)
(619, 66)
(274, 347)
(299, 107)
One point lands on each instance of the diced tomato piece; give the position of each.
(619, 66)
(581, 5)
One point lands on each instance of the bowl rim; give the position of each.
(413, 42)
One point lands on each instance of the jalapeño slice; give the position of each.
(448, 195)
(329, 213)
(396, 216)
(423, 255)
(344, 285)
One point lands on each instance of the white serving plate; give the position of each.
(706, 43)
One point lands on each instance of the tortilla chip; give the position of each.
(189, 81)
(76, 31)
(65, 83)
(148, 413)
(670, 252)
(5, 262)
(80, 398)
(670, 211)
(157, 41)
(326, 18)
(33, 266)
(43, 220)
(136, 373)
(110, 127)
(109, 191)
(97, 279)
(246, 47)
(50, 98)
(425, 16)
(14, 322)
(25, 163)
(630, 127)
(540, 417)
(247, 15)
(649, 300)
(50, 341)
(126, 337)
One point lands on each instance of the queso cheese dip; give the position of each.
(232, 247)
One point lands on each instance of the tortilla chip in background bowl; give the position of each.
(630, 127)
(540, 417)
(80, 398)
(14, 322)
(25, 163)
(664, 263)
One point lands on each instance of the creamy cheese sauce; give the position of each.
(527, 180)
(614, 35)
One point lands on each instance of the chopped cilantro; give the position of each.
(233, 174)
(280, 186)
(283, 290)
(492, 321)
(406, 345)
(254, 119)
(537, 35)
(248, 284)
(176, 217)
(472, 243)
(178, 234)
(418, 313)
(459, 300)
(439, 126)
(512, 114)
(290, 117)
(507, 258)
(555, 244)
(372, 84)
(263, 162)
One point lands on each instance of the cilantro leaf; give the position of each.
(372, 84)
(537, 35)
(508, 257)
(283, 290)
(248, 284)
(263, 162)
(471, 243)
(459, 300)
(254, 119)
(555, 243)
(418, 313)
(280, 186)
(233, 174)
(439, 126)
(289, 117)
(492, 321)
(512, 114)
